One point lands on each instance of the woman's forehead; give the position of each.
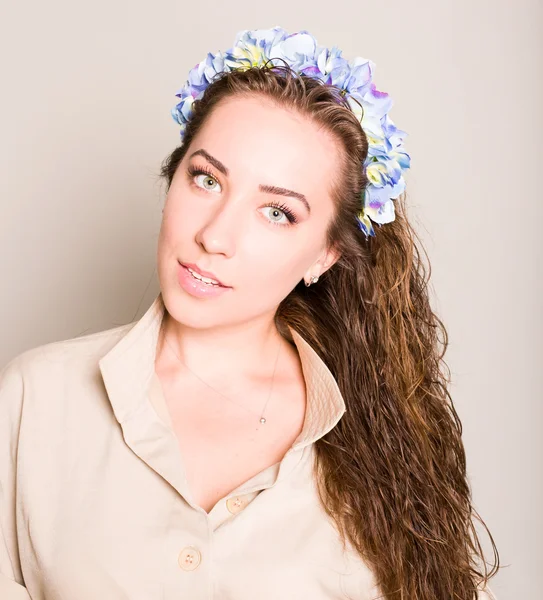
(261, 136)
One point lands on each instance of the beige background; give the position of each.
(86, 94)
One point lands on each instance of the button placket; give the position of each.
(189, 558)
(236, 504)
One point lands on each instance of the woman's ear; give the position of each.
(332, 256)
(328, 259)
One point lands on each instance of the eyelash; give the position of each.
(194, 171)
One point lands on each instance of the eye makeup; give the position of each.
(194, 171)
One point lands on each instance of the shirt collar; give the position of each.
(129, 366)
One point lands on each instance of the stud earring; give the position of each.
(314, 279)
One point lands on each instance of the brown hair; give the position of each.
(392, 473)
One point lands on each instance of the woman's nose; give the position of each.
(219, 233)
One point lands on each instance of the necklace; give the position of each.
(261, 415)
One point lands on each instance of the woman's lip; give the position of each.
(203, 273)
(196, 287)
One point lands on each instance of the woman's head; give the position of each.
(266, 182)
(392, 472)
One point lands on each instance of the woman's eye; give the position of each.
(280, 215)
(207, 182)
(277, 213)
(203, 178)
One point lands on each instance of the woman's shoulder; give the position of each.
(63, 357)
(50, 386)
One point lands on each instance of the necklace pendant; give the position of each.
(263, 420)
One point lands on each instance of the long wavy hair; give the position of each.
(392, 472)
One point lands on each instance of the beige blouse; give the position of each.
(94, 503)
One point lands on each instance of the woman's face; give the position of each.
(221, 212)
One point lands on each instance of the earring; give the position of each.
(313, 280)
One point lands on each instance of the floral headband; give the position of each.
(387, 158)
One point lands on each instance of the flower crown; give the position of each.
(387, 158)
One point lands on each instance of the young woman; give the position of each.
(277, 424)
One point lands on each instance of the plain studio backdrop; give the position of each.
(87, 90)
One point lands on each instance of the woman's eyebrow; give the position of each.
(214, 161)
(270, 189)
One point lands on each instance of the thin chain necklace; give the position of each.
(261, 415)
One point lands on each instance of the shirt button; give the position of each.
(236, 504)
(189, 558)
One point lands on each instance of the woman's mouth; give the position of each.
(198, 285)
(207, 280)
